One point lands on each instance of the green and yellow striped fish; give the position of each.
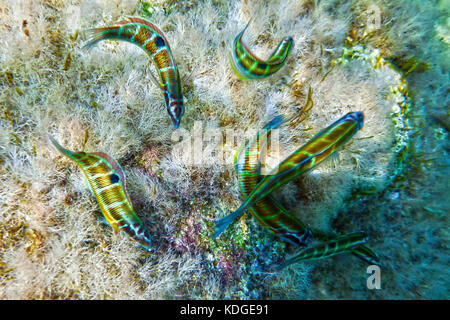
(247, 66)
(108, 183)
(148, 37)
(362, 252)
(269, 212)
(341, 244)
(320, 147)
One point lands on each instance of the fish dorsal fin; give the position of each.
(117, 168)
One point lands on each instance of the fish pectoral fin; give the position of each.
(334, 159)
(223, 223)
(186, 79)
(153, 78)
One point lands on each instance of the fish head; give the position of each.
(357, 117)
(141, 235)
(288, 43)
(176, 111)
(145, 240)
(288, 40)
(176, 105)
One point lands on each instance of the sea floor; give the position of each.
(387, 59)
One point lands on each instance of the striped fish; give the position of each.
(341, 244)
(107, 182)
(247, 66)
(148, 37)
(320, 147)
(362, 252)
(267, 210)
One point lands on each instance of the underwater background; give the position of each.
(387, 59)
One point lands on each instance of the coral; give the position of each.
(52, 243)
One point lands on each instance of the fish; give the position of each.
(363, 252)
(341, 244)
(151, 39)
(247, 66)
(268, 211)
(320, 147)
(107, 182)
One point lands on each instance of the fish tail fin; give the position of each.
(60, 148)
(275, 122)
(96, 35)
(248, 23)
(235, 65)
(75, 156)
(223, 223)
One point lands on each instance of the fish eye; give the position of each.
(114, 178)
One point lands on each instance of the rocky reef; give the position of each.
(384, 58)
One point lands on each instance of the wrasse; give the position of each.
(341, 244)
(267, 210)
(288, 227)
(362, 252)
(107, 182)
(148, 37)
(247, 66)
(320, 147)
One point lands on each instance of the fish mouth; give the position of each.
(358, 117)
(176, 125)
(289, 39)
(175, 122)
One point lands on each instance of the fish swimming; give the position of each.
(247, 66)
(341, 244)
(320, 147)
(151, 39)
(108, 183)
(267, 211)
(362, 252)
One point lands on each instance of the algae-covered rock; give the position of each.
(52, 242)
